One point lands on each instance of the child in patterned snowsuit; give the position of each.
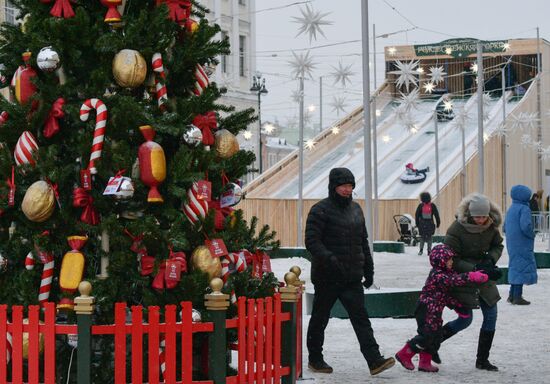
(429, 309)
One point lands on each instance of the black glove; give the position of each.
(338, 266)
(490, 269)
(367, 283)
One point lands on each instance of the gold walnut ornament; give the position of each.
(129, 68)
(226, 144)
(39, 202)
(26, 341)
(202, 259)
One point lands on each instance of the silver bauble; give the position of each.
(126, 189)
(47, 59)
(196, 316)
(236, 191)
(193, 136)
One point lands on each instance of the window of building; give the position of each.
(11, 12)
(242, 2)
(242, 55)
(224, 57)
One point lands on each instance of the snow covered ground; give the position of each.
(521, 348)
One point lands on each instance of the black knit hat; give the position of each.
(425, 197)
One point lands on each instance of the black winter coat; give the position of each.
(337, 228)
(426, 227)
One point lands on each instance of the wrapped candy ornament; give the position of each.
(152, 164)
(195, 208)
(22, 83)
(72, 270)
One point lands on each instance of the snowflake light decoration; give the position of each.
(296, 96)
(309, 144)
(410, 124)
(524, 121)
(526, 140)
(338, 104)
(411, 100)
(437, 74)
(335, 130)
(448, 51)
(311, 22)
(386, 138)
(247, 135)
(429, 87)
(302, 65)
(473, 67)
(545, 153)
(407, 73)
(342, 74)
(461, 118)
(505, 46)
(269, 128)
(501, 130)
(400, 112)
(447, 105)
(392, 51)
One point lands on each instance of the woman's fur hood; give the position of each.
(463, 212)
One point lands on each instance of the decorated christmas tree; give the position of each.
(118, 163)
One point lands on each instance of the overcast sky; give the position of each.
(433, 21)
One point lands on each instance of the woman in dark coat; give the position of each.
(476, 239)
(520, 241)
(425, 214)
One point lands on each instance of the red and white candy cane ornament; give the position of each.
(99, 131)
(47, 259)
(238, 262)
(201, 80)
(160, 78)
(195, 208)
(25, 149)
(162, 355)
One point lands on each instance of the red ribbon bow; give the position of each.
(220, 214)
(81, 199)
(178, 10)
(11, 186)
(4, 116)
(206, 123)
(160, 282)
(51, 127)
(61, 8)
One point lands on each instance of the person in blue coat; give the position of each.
(520, 241)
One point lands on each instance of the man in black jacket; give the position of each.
(336, 237)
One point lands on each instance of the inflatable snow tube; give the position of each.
(412, 178)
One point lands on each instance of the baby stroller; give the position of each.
(408, 233)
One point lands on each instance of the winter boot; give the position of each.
(381, 365)
(420, 253)
(446, 333)
(320, 366)
(520, 301)
(483, 348)
(404, 356)
(425, 363)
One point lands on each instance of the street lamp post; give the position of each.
(258, 85)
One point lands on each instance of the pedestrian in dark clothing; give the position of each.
(337, 239)
(425, 214)
(476, 240)
(429, 308)
(534, 203)
(520, 242)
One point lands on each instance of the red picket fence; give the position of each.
(258, 328)
(35, 330)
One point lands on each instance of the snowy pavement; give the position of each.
(521, 348)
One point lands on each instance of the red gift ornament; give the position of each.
(61, 8)
(82, 199)
(206, 123)
(152, 164)
(22, 80)
(11, 186)
(261, 263)
(51, 126)
(169, 271)
(113, 15)
(220, 214)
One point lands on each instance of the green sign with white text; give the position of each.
(460, 47)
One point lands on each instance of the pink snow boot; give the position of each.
(425, 363)
(404, 356)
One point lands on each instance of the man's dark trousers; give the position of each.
(352, 298)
